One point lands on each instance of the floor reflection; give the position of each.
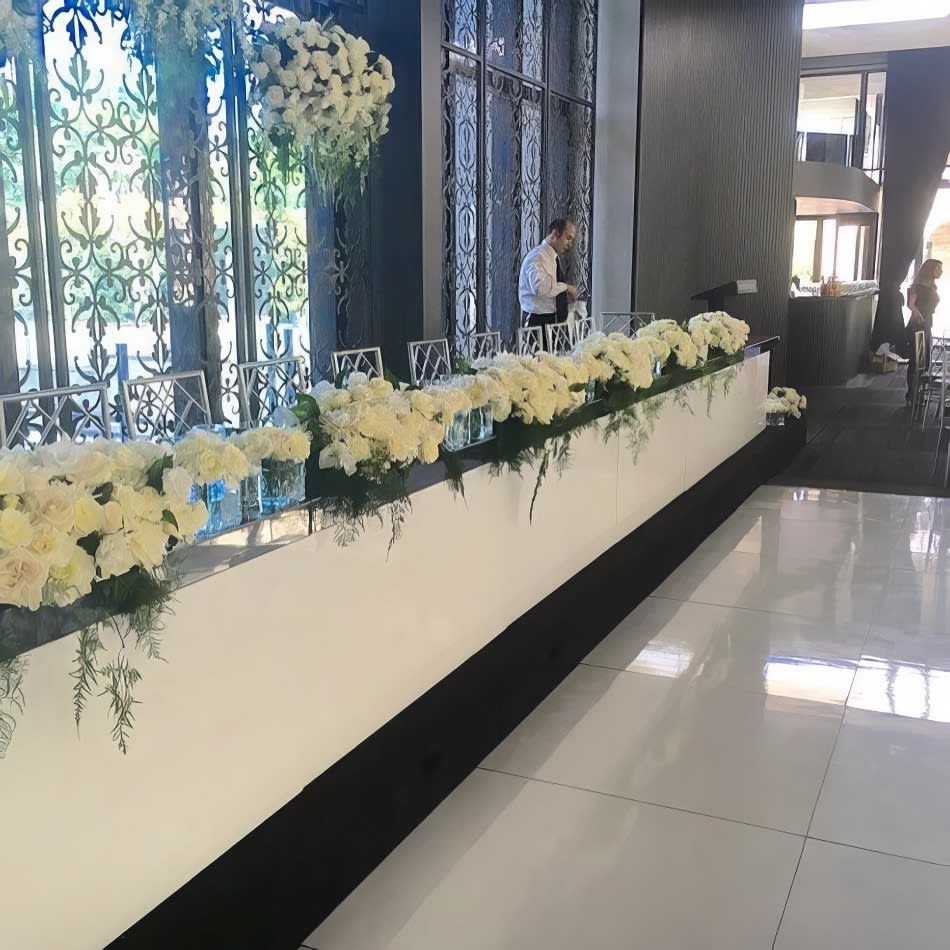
(905, 689)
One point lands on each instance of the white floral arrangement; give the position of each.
(16, 31)
(537, 389)
(717, 330)
(208, 457)
(76, 514)
(273, 443)
(323, 90)
(681, 344)
(617, 357)
(184, 23)
(787, 400)
(371, 428)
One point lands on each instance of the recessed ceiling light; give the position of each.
(823, 16)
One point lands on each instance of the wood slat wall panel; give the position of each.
(719, 97)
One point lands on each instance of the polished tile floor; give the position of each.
(757, 757)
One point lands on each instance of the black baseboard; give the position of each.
(278, 883)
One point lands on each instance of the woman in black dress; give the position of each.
(922, 298)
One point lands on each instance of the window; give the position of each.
(842, 246)
(841, 120)
(146, 226)
(517, 146)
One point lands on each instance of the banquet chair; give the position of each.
(164, 408)
(368, 360)
(484, 345)
(626, 323)
(429, 361)
(559, 337)
(920, 377)
(268, 385)
(73, 414)
(582, 328)
(943, 427)
(530, 341)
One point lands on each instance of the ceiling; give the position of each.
(876, 37)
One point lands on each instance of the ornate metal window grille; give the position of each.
(518, 80)
(146, 228)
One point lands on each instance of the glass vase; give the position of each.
(459, 432)
(657, 369)
(481, 423)
(281, 485)
(224, 507)
(775, 418)
(591, 392)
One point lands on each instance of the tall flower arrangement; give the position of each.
(718, 331)
(326, 92)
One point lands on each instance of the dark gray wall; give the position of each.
(718, 105)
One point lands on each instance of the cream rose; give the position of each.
(22, 578)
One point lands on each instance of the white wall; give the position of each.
(278, 667)
(615, 154)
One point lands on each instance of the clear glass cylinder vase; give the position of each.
(459, 432)
(481, 423)
(282, 485)
(224, 507)
(775, 418)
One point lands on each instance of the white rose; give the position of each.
(52, 547)
(114, 556)
(55, 506)
(72, 580)
(271, 55)
(147, 542)
(261, 70)
(16, 529)
(188, 518)
(111, 517)
(177, 484)
(275, 96)
(89, 515)
(22, 578)
(11, 478)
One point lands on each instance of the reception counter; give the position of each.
(317, 702)
(828, 338)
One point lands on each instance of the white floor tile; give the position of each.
(844, 898)
(764, 531)
(509, 864)
(749, 649)
(694, 745)
(826, 590)
(916, 601)
(915, 647)
(823, 504)
(887, 787)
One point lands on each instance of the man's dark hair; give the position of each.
(559, 224)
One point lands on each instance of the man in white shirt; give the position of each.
(542, 289)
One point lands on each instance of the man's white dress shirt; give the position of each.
(538, 284)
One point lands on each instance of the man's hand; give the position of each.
(572, 291)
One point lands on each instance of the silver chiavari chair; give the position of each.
(164, 408)
(583, 327)
(268, 385)
(368, 360)
(73, 414)
(429, 361)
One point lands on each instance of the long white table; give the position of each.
(278, 667)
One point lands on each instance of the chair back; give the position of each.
(920, 351)
(625, 322)
(368, 360)
(530, 341)
(73, 414)
(429, 361)
(164, 408)
(583, 327)
(268, 385)
(485, 345)
(560, 338)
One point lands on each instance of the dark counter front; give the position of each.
(828, 338)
